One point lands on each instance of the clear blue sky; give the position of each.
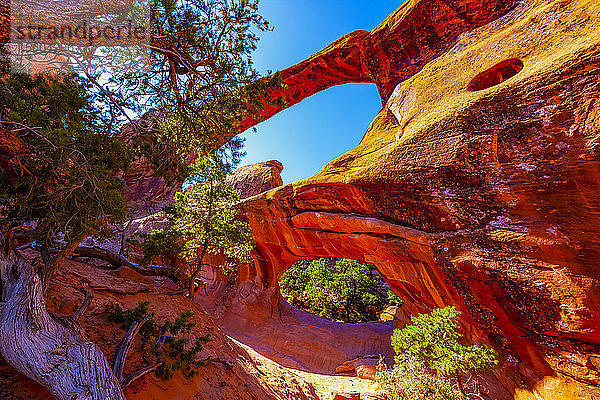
(308, 135)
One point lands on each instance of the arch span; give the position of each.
(484, 199)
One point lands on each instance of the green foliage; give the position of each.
(431, 342)
(433, 338)
(161, 242)
(204, 215)
(344, 290)
(64, 174)
(410, 380)
(393, 299)
(181, 323)
(179, 350)
(200, 95)
(203, 223)
(126, 317)
(199, 87)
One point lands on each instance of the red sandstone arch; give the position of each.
(481, 199)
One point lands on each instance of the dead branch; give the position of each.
(132, 377)
(124, 346)
(116, 260)
(50, 265)
(88, 296)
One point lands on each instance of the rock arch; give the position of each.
(481, 199)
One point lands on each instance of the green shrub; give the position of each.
(410, 380)
(338, 289)
(393, 299)
(168, 343)
(432, 340)
(160, 242)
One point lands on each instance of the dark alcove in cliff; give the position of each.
(496, 75)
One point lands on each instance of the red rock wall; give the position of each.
(479, 193)
(408, 39)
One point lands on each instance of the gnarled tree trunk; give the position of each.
(55, 354)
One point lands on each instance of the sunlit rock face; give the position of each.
(254, 179)
(475, 186)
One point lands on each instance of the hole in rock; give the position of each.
(317, 130)
(339, 289)
(496, 75)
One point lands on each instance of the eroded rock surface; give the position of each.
(475, 186)
(254, 179)
(145, 191)
(233, 371)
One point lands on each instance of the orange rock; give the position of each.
(145, 191)
(345, 367)
(475, 186)
(253, 179)
(366, 371)
(395, 50)
(346, 396)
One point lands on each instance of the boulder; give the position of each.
(253, 179)
(363, 367)
(366, 371)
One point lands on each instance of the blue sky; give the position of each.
(308, 135)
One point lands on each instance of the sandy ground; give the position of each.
(322, 387)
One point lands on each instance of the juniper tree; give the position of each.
(58, 171)
(204, 224)
(60, 156)
(434, 339)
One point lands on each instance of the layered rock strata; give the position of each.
(475, 185)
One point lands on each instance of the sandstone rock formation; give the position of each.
(233, 371)
(475, 185)
(292, 337)
(145, 191)
(399, 47)
(254, 179)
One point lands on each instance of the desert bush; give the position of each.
(410, 380)
(427, 351)
(169, 343)
(434, 338)
(339, 289)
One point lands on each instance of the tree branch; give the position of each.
(124, 346)
(116, 260)
(87, 292)
(7, 241)
(132, 377)
(50, 268)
